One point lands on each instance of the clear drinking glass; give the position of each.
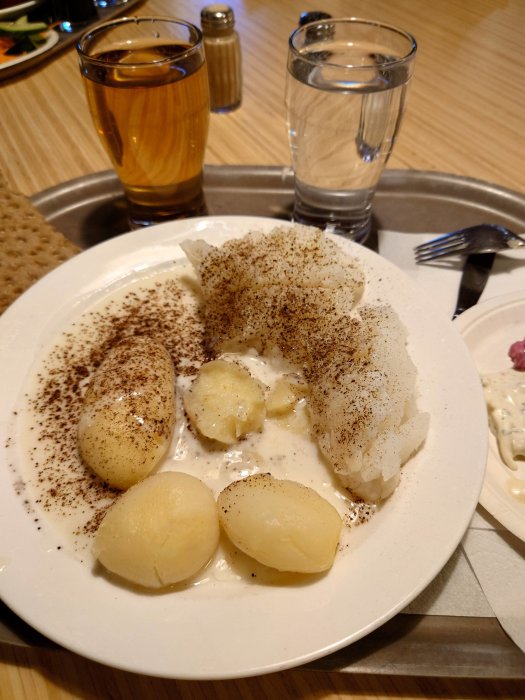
(147, 89)
(345, 95)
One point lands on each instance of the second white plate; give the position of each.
(488, 330)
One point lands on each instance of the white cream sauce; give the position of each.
(505, 396)
(517, 489)
(284, 446)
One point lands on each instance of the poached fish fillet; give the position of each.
(269, 290)
(295, 291)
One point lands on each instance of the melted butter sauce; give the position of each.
(505, 396)
(517, 489)
(61, 494)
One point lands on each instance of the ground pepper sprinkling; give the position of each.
(62, 484)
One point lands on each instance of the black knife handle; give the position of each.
(476, 271)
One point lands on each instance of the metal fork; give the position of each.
(483, 238)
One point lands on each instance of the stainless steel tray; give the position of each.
(91, 209)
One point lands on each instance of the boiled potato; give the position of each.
(281, 399)
(162, 531)
(128, 412)
(280, 523)
(225, 402)
(284, 396)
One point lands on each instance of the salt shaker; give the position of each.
(223, 56)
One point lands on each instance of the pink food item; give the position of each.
(517, 354)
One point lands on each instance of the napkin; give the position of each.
(498, 560)
(454, 592)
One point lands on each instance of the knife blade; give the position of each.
(476, 272)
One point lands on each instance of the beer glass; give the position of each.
(147, 89)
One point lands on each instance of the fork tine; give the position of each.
(482, 238)
(434, 255)
(450, 247)
(442, 241)
(444, 251)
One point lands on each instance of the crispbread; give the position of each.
(29, 246)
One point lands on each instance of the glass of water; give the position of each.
(345, 96)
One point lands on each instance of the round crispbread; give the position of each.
(29, 246)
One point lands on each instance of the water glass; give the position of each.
(147, 89)
(346, 88)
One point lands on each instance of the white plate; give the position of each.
(51, 40)
(14, 11)
(488, 330)
(238, 629)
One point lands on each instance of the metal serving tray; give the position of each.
(91, 209)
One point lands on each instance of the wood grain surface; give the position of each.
(466, 115)
(465, 110)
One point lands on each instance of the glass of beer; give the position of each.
(147, 89)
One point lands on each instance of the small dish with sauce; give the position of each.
(489, 329)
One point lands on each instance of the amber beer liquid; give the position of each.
(152, 115)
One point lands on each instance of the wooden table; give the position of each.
(465, 116)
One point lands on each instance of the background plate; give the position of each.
(9, 13)
(65, 39)
(51, 40)
(230, 630)
(488, 330)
